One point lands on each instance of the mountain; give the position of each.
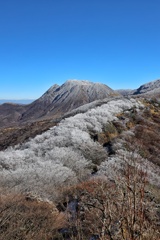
(102, 155)
(55, 102)
(59, 100)
(10, 113)
(62, 99)
(149, 88)
(125, 92)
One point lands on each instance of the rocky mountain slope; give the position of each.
(61, 99)
(10, 113)
(55, 102)
(148, 88)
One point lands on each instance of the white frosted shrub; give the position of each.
(64, 153)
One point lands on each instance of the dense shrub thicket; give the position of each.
(64, 154)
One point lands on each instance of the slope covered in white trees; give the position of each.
(64, 154)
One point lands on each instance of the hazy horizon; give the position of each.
(18, 101)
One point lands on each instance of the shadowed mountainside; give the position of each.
(10, 113)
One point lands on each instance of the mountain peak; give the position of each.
(82, 82)
(48, 95)
(78, 82)
(62, 99)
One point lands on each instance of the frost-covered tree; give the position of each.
(63, 154)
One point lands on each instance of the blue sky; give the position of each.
(43, 42)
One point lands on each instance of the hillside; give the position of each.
(73, 138)
(88, 158)
(149, 88)
(62, 99)
(93, 173)
(10, 113)
(54, 103)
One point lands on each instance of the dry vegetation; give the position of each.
(25, 218)
(98, 208)
(10, 136)
(123, 204)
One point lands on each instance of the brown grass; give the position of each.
(23, 219)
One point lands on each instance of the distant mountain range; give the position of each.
(59, 100)
(55, 102)
(18, 101)
(151, 88)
